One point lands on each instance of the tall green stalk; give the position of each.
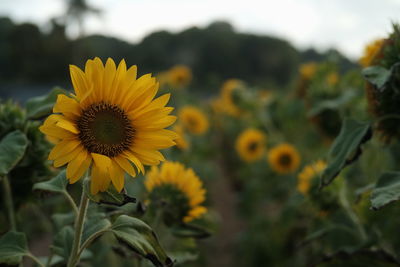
(8, 200)
(79, 222)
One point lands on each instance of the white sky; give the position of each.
(345, 24)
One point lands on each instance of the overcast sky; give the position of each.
(345, 24)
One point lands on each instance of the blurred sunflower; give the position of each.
(194, 120)
(383, 102)
(371, 51)
(180, 76)
(109, 123)
(284, 158)
(307, 70)
(181, 142)
(332, 78)
(178, 189)
(308, 173)
(250, 145)
(229, 96)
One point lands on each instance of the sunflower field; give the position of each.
(125, 165)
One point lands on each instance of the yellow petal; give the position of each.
(78, 166)
(58, 162)
(78, 79)
(68, 125)
(63, 148)
(67, 106)
(124, 164)
(101, 161)
(117, 176)
(135, 160)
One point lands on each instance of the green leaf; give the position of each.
(42, 106)
(12, 150)
(332, 104)
(13, 247)
(346, 148)
(62, 219)
(63, 242)
(57, 184)
(62, 245)
(94, 226)
(109, 197)
(138, 236)
(190, 230)
(386, 190)
(377, 75)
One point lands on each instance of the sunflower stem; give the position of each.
(79, 222)
(8, 200)
(72, 202)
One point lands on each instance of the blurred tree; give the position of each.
(76, 12)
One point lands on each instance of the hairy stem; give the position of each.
(79, 222)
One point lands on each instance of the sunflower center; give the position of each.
(252, 146)
(105, 129)
(285, 160)
(192, 122)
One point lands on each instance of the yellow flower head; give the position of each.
(250, 145)
(370, 52)
(112, 123)
(284, 158)
(308, 173)
(229, 88)
(308, 70)
(332, 78)
(180, 188)
(180, 76)
(193, 119)
(181, 142)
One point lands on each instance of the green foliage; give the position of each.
(377, 75)
(13, 247)
(387, 190)
(12, 149)
(346, 148)
(138, 236)
(41, 106)
(58, 184)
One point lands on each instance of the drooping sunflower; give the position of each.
(250, 145)
(194, 120)
(371, 51)
(111, 124)
(181, 142)
(308, 173)
(383, 102)
(179, 190)
(284, 158)
(180, 76)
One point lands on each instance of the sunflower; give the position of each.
(229, 93)
(250, 145)
(193, 119)
(178, 188)
(180, 76)
(308, 70)
(332, 78)
(370, 52)
(308, 173)
(181, 142)
(284, 158)
(111, 122)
